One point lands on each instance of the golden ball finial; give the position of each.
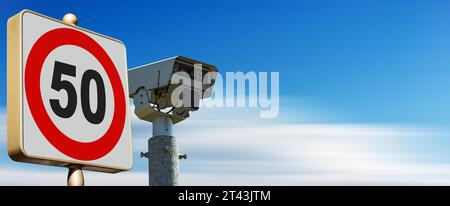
(70, 19)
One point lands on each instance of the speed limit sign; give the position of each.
(67, 95)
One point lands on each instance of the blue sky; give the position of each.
(363, 65)
(370, 61)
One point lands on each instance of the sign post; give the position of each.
(75, 175)
(67, 96)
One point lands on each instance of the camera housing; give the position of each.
(152, 85)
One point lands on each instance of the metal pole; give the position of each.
(75, 176)
(163, 154)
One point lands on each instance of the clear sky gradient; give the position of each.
(349, 62)
(371, 61)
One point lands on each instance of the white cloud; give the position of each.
(58, 178)
(232, 147)
(225, 150)
(311, 155)
(436, 175)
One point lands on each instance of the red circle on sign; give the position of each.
(75, 149)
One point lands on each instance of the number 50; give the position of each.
(58, 84)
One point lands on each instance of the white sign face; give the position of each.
(74, 96)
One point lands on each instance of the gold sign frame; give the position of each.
(15, 97)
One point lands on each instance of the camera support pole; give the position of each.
(163, 157)
(163, 153)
